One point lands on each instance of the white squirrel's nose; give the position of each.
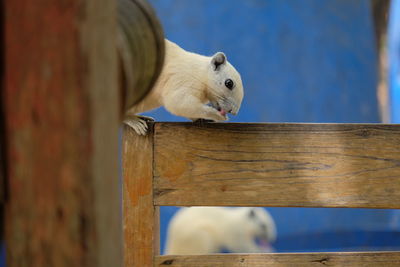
(232, 107)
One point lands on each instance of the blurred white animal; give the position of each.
(205, 230)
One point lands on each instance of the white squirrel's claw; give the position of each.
(136, 123)
(145, 118)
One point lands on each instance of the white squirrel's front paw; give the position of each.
(220, 117)
(137, 124)
(213, 114)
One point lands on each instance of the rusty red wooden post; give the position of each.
(61, 104)
(2, 130)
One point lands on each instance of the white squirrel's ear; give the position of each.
(217, 60)
(252, 213)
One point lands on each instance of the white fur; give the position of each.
(187, 83)
(205, 230)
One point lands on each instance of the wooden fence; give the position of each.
(267, 165)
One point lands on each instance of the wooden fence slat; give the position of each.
(62, 116)
(2, 126)
(141, 231)
(304, 165)
(348, 259)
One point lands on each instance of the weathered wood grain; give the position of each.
(305, 165)
(140, 47)
(2, 126)
(61, 104)
(141, 217)
(347, 259)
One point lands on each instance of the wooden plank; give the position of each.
(141, 231)
(2, 127)
(371, 259)
(61, 104)
(298, 165)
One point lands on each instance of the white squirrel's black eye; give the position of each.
(229, 84)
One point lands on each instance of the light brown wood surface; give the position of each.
(304, 165)
(141, 217)
(353, 259)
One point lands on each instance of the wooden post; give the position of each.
(62, 109)
(2, 130)
(141, 218)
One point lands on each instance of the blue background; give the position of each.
(394, 56)
(300, 61)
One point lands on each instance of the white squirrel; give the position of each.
(205, 230)
(187, 84)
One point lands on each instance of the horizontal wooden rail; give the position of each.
(281, 165)
(371, 259)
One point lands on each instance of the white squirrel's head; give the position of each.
(260, 225)
(225, 88)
